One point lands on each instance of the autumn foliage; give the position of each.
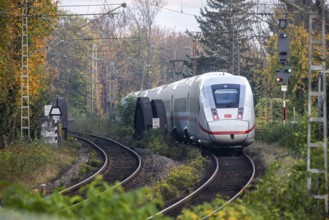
(41, 20)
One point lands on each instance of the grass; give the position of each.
(35, 163)
(268, 154)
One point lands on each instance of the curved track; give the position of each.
(90, 178)
(123, 164)
(232, 174)
(236, 173)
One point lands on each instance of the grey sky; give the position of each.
(176, 14)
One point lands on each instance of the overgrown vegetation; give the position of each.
(182, 177)
(36, 162)
(178, 182)
(159, 141)
(103, 201)
(291, 136)
(280, 194)
(121, 128)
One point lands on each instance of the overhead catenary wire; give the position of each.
(155, 5)
(100, 38)
(92, 5)
(39, 15)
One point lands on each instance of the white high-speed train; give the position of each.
(212, 109)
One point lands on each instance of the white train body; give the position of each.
(214, 109)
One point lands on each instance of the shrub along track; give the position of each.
(121, 163)
(233, 173)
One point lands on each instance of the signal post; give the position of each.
(56, 113)
(285, 72)
(284, 90)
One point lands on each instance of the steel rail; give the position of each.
(89, 179)
(185, 199)
(240, 192)
(135, 154)
(132, 176)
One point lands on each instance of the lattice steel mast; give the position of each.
(94, 80)
(25, 88)
(317, 182)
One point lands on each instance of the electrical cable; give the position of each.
(91, 5)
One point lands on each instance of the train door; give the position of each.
(188, 111)
(171, 113)
(188, 118)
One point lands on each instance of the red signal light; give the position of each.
(278, 79)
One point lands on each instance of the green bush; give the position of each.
(183, 177)
(272, 132)
(199, 163)
(159, 141)
(95, 163)
(165, 191)
(292, 136)
(93, 160)
(177, 182)
(84, 169)
(102, 202)
(123, 132)
(126, 110)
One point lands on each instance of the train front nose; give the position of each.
(228, 131)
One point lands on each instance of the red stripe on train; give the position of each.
(226, 132)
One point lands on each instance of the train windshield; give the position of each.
(226, 95)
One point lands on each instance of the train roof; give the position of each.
(202, 77)
(205, 78)
(217, 77)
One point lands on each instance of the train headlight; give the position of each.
(240, 113)
(214, 114)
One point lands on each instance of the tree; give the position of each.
(225, 26)
(10, 60)
(69, 56)
(143, 19)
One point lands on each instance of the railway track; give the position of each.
(236, 173)
(121, 164)
(87, 180)
(231, 175)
